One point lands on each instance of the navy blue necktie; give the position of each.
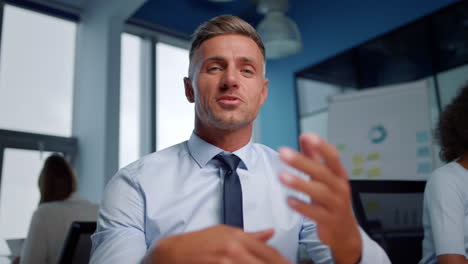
(232, 191)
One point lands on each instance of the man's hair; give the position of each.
(57, 180)
(452, 129)
(222, 25)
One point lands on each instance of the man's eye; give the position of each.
(212, 69)
(247, 71)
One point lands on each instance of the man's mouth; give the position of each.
(229, 100)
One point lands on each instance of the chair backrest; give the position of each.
(391, 213)
(77, 247)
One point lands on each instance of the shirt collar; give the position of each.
(202, 151)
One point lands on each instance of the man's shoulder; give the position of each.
(159, 159)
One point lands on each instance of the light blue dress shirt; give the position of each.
(179, 189)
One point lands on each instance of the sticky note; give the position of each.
(374, 172)
(424, 152)
(358, 160)
(373, 156)
(357, 172)
(422, 137)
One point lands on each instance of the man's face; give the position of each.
(228, 84)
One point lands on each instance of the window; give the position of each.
(36, 89)
(174, 114)
(36, 72)
(130, 87)
(20, 165)
(313, 105)
(19, 194)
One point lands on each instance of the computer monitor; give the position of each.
(77, 247)
(391, 213)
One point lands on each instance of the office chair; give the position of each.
(391, 213)
(77, 247)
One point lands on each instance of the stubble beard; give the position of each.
(229, 121)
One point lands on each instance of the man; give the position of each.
(169, 206)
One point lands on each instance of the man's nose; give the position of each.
(230, 79)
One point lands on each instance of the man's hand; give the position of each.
(218, 244)
(451, 259)
(330, 191)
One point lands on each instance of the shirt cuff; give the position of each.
(372, 253)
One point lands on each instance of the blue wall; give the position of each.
(328, 27)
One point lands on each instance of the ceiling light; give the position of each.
(280, 35)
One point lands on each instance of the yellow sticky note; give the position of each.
(358, 160)
(357, 172)
(373, 156)
(374, 172)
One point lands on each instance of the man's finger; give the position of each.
(263, 235)
(239, 255)
(325, 150)
(307, 148)
(262, 251)
(247, 259)
(312, 211)
(317, 191)
(315, 169)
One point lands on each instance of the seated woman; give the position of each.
(58, 208)
(445, 213)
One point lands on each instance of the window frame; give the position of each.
(32, 141)
(56, 10)
(151, 35)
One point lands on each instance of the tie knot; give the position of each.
(229, 161)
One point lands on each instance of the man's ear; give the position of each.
(189, 90)
(264, 93)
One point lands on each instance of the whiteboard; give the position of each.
(384, 133)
